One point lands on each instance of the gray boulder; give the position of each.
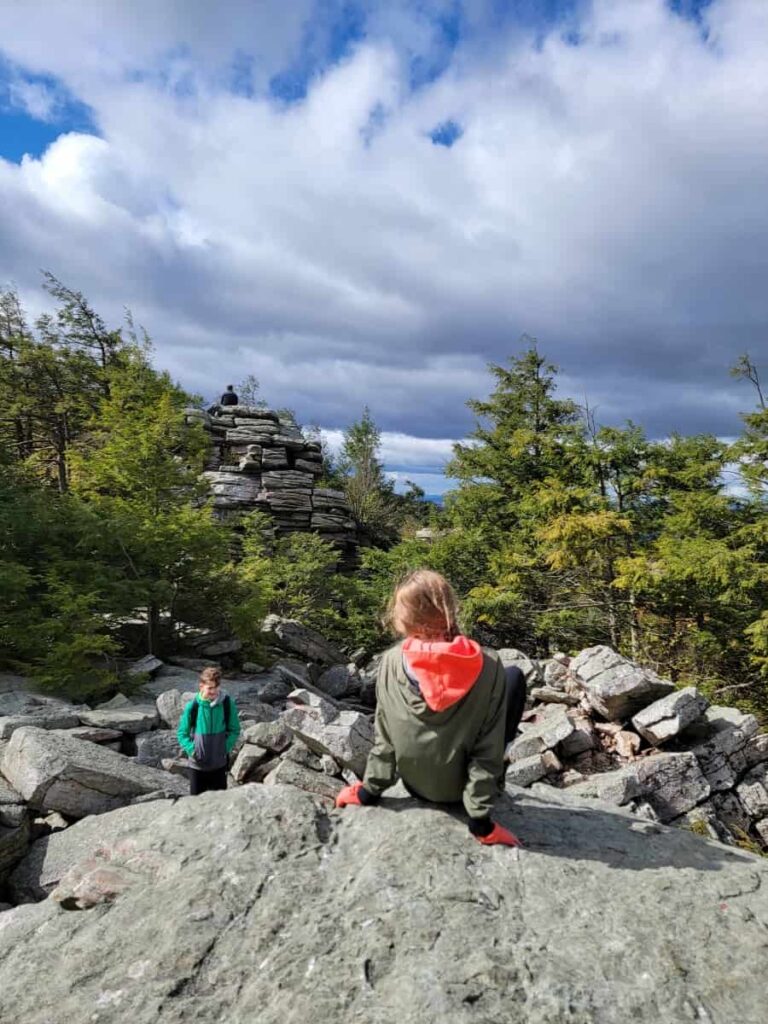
(221, 648)
(249, 758)
(582, 738)
(45, 718)
(346, 735)
(531, 669)
(147, 665)
(526, 770)
(617, 787)
(338, 681)
(730, 811)
(672, 783)
(615, 687)
(274, 736)
(553, 728)
(308, 643)
(132, 719)
(153, 747)
(92, 733)
(555, 671)
(549, 695)
(55, 773)
(170, 706)
(727, 748)
(289, 772)
(392, 913)
(703, 820)
(670, 715)
(14, 841)
(753, 792)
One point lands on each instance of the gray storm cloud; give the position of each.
(607, 195)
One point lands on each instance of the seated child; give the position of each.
(446, 709)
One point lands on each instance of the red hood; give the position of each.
(446, 670)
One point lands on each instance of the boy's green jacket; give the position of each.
(445, 756)
(213, 738)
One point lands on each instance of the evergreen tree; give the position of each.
(139, 468)
(369, 493)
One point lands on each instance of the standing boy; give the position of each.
(207, 732)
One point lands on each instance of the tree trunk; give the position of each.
(153, 628)
(633, 645)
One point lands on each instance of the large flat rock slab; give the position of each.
(130, 718)
(56, 773)
(255, 904)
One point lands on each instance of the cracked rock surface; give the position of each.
(256, 904)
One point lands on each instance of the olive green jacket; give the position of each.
(443, 756)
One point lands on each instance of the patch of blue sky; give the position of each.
(692, 9)
(449, 27)
(447, 133)
(241, 74)
(329, 36)
(34, 111)
(435, 483)
(531, 13)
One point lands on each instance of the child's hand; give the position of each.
(499, 836)
(350, 795)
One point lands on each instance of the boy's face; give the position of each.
(209, 691)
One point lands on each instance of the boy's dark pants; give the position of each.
(516, 694)
(201, 782)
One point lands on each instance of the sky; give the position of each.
(364, 202)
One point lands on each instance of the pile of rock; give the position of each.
(605, 727)
(260, 460)
(597, 725)
(302, 724)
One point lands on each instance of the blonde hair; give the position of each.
(424, 604)
(211, 675)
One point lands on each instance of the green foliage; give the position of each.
(102, 511)
(139, 469)
(57, 590)
(248, 390)
(563, 534)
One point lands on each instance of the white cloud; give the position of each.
(609, 198)
(403, 450)
(35, 98)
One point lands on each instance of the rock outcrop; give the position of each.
(57, 773)
(260, 905)
(260, 460)
(611, 730)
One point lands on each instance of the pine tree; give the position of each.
(139, 468)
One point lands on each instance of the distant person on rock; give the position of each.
(446, 709)
(207, 732)
(229, 397)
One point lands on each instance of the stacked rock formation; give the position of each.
(260, 460)
(607, 728)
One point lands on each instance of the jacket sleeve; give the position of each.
(381, 769)
(183, 734)
(486, 759)
(233, 726)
